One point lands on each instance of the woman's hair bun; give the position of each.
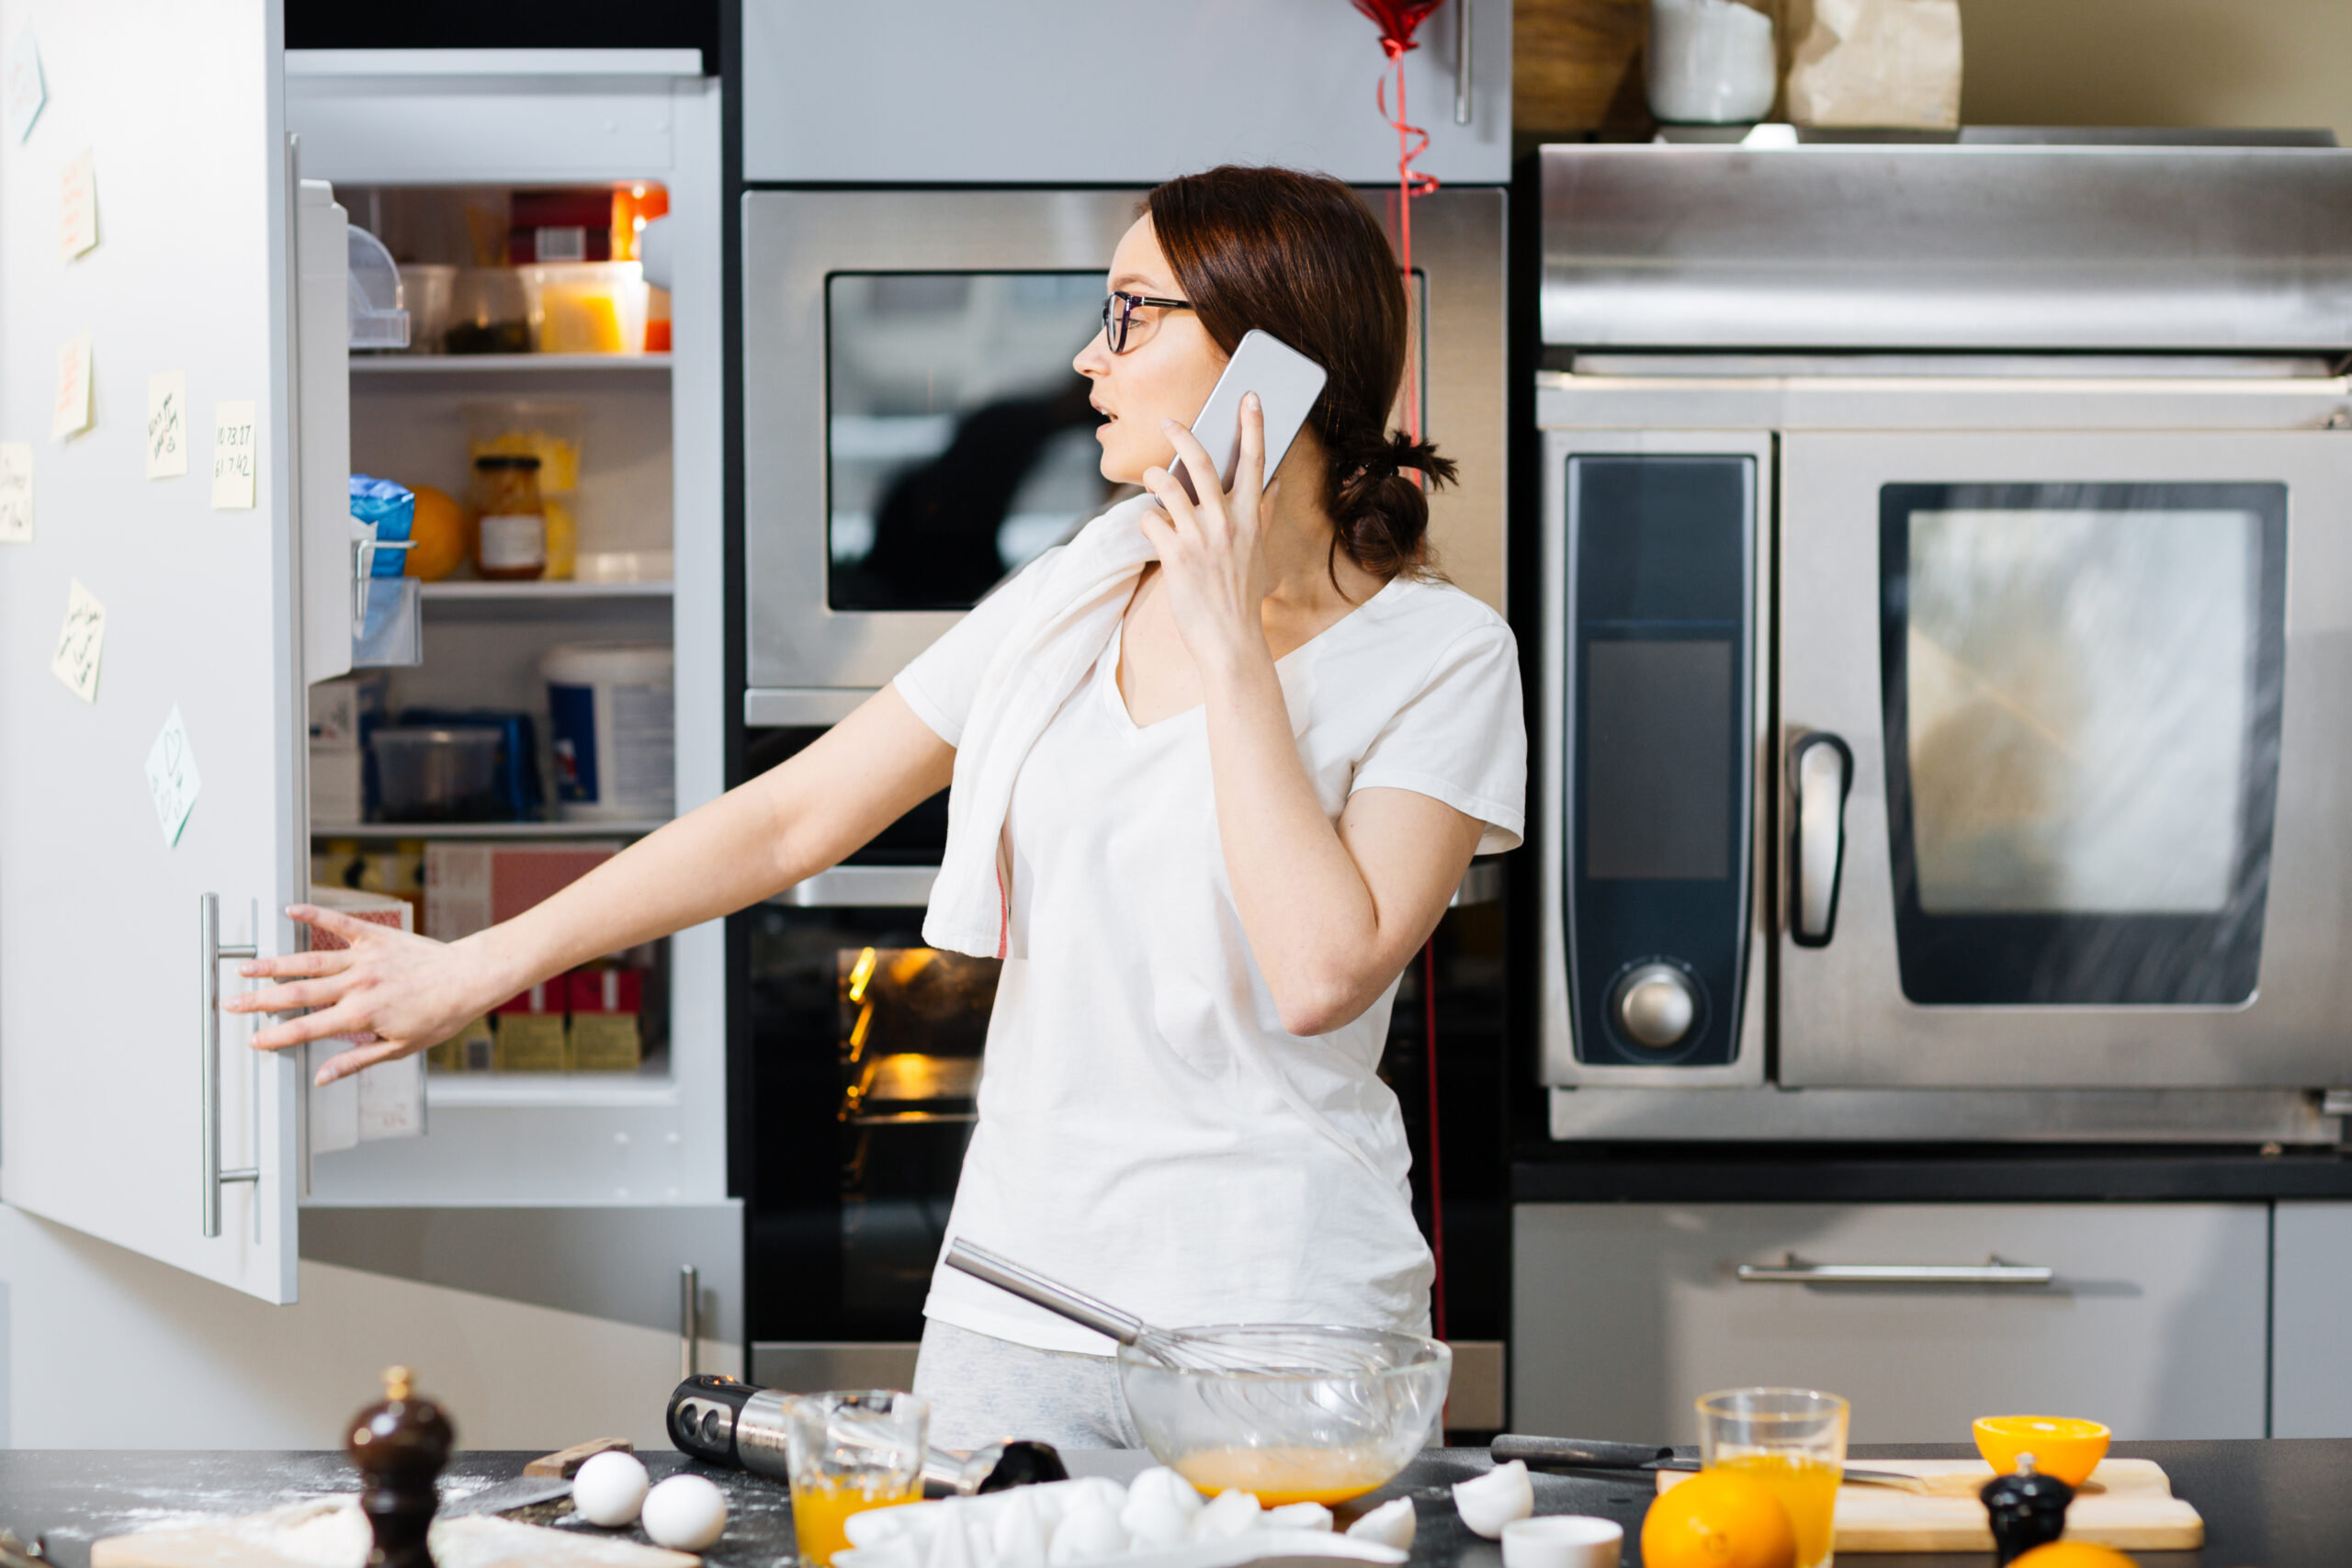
(1383, 516)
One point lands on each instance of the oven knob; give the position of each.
(1656, 1006)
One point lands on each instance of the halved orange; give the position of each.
(2074, 1555)
(2063, 1446)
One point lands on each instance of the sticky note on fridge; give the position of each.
(167, 424)
(77, 201)
(22, 87)
(81, 643)
(232, 455)
(16, 492)
(70, 413)
(172, 779)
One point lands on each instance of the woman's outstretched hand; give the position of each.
(393, 992)
(1213, 550)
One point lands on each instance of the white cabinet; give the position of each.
(2153, 1320)
(2311, 1327)
(200, 129)
(1110, 92)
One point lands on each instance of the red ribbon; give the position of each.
(1398, 20)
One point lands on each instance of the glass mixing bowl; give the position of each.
(1328, 1414)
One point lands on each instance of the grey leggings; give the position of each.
(982, 1389)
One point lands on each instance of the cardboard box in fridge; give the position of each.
(385, 1100)
(473, 884)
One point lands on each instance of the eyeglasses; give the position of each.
(1118, 315)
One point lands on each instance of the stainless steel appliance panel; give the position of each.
(807, 654)
(2155, 1315)
(1563, 1063)
(1846, 1011)
(967, 94)
(1958, 247)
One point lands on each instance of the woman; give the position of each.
(1221, 766)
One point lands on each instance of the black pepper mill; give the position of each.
(400, 1446)
(2028, 1510)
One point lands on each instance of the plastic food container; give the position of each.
(424, 295)
(374, 286)
(490, 312)
(437, 773)
(612, 710)
(587, 307)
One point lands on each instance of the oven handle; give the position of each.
(1821, 773)
(861, 887)
(1992, 1271)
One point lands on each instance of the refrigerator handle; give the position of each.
(1461, 61)
(1821, 773)
(211, 951)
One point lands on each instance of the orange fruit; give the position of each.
(1718, 1518)
(439, 530)
(2062, 1446)
(2074, 1555)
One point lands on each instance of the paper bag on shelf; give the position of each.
(1880, 63)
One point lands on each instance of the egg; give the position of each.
(1228, 1514)
(685, 1513)
(1489, 1502)
(609, 1489)
(1088, 1533)
(1019, 1534)
(1299, 1517)
(1391, 1524)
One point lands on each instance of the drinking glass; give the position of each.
(848, 1452)
(1792, 1439)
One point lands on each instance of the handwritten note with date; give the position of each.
(77, 203)
(167, 424)
(71, 412)
(171, 778)
(82, 643)
(16, 492)
(233, 457)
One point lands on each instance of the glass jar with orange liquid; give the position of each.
(847, 1453)
(1792, 1439)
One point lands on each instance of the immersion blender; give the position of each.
(726, 1421)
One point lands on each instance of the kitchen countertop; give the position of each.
(2279, 1504)
(1692, 1173)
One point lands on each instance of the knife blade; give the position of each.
(1587, 1453)
(508, 1495)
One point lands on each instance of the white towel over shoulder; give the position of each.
(1062, 631)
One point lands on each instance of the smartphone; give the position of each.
(1286, 382)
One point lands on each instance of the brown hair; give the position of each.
(1300, 256)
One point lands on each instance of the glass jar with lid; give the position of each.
(510, 540)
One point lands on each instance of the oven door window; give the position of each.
(2082, 688)
(960, 444)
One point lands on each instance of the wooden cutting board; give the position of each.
(331, 1533)
(2127, 1504)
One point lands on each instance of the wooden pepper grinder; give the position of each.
(400, 1446)
(2028, 1510)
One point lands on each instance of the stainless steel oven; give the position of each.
(913, 430)
(1946, 699)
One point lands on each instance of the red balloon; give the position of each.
(1398, 20)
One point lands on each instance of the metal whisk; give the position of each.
(1267, 1352)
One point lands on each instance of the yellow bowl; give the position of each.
(2061, 1445)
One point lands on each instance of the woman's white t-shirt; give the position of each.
(1148, 1132)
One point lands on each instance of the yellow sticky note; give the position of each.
(81, 643)
(233, 457)
(167, 424)
(16, 492)
(77, 192)
(70, 413)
